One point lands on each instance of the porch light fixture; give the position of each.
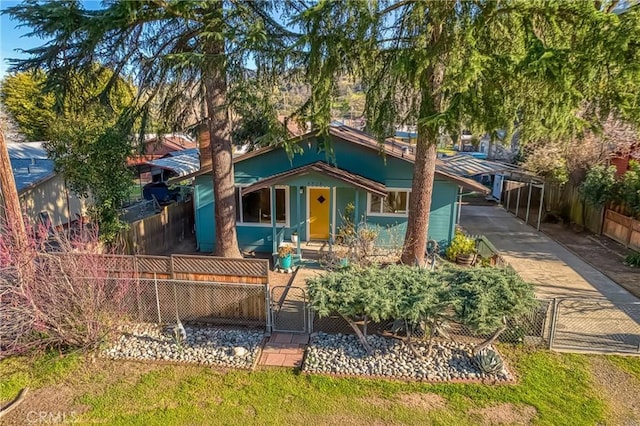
(301, 190)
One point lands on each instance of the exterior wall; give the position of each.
(51, 196)
(393, 172)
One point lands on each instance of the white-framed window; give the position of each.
(254, 208)
(395, 204)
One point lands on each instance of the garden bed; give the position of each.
(223, 347)
(342, 354)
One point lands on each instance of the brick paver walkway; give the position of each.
(284, 350)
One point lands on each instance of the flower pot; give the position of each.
(465, 259)
(285, 262)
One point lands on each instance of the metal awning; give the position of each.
(182, 163)
(467, 165)
(323, 168)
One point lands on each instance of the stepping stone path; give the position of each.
(284, 350)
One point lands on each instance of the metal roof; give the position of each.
(29, 163)
(389, 147)
(468, 165)
(181, 163)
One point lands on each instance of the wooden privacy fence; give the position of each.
(623, 229)
(566, 201)
(177, 267)
(160, 232)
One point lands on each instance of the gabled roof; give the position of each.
(389, 147)
(30, 164)
(322, 168)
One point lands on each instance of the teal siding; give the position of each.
(391, 230)
(205, 226)
(393, 172)
(356, 159)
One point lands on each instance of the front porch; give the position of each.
(308, 205)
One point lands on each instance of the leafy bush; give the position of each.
(597, 187)
(460, 245)
(482, 299)
(633, 260)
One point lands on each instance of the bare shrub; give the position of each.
(60, 292)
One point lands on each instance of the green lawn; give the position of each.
(558, 386)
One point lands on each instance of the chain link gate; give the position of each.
(289, 310)
(595, 325)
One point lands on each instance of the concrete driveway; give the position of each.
(605, 318)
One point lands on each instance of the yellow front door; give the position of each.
(319, 213)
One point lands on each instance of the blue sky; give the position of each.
(12, 38)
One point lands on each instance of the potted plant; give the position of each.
(342, 256)
(284, 256)
(294, 237)
(462, 249)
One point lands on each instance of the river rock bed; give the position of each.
(343, 354)
(203, 345)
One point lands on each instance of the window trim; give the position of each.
(263, 225)
(383, 214)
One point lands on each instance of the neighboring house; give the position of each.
(44, 195)
(155, 147)
(308, 194)
(173, 164)
(621, 162)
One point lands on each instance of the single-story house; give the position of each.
(309, 193)
(44, 195)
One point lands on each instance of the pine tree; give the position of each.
(485, 64)
(181, 55)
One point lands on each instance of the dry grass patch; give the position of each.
(621, 390)
(423, 401)
(506, 414)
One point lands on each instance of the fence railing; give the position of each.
(595, 325)
(163, 301)
(180, 267)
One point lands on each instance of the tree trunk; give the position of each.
(361, 337)
(415, 240)
(490, 340)
(221, 154)
(424, 169)
(11, 216)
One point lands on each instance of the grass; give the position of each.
(36, 371)
(558, 386)
(629, 364)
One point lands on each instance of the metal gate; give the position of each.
(595, 325)
(289, 310)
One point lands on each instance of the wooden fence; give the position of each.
(623, 229)
(177, 267)
(158, 233)
(565, 201)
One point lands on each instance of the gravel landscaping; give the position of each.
(203, 345)
(343, 354)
